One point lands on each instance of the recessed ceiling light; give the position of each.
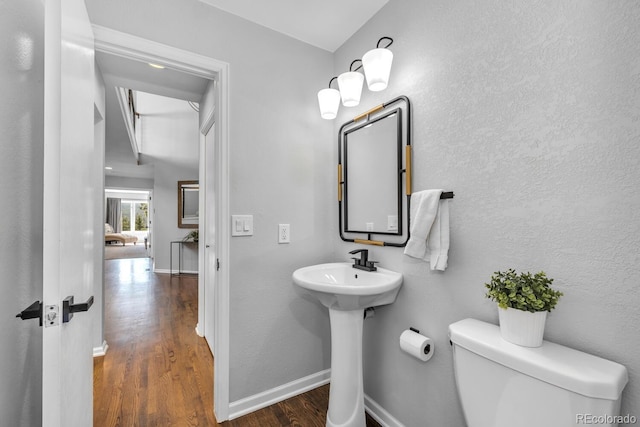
(160, 67)
(108, 168)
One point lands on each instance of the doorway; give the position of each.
(128, 225)
(126, 46)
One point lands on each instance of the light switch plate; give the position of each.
(242, 225)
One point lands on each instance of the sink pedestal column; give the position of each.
(346, 393)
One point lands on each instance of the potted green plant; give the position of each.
(193, 236)
(523, 303)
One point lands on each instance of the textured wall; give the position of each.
(530, 112)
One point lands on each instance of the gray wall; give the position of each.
(165, 217)
(126, 183)
(21, 181)
(531, 114)
(169, 129)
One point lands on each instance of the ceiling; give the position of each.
(327, 25)
(139, 76)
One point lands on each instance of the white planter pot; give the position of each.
(522, 327)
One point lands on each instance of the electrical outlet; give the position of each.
(284, 233)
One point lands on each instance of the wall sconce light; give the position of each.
(350, 84)
(329, 101)
(377, 66)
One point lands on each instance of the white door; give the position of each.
(70, 186)
(209, 235)
(150, 225)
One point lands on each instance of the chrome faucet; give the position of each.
(363, 262)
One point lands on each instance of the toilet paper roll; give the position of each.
(416, 345)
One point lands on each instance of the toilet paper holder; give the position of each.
(427, 348)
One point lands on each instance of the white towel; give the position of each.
(429, 239)
(438, 240)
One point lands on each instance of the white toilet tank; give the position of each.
(506, 385)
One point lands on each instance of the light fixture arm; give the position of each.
(383, 38)
(353, 62)
(331, 81)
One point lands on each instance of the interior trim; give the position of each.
(378, 413)
(129, 46)
(121, 96)
(278, 394)
(101, 350)
(283, 392)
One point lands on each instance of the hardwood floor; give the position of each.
(158, 371)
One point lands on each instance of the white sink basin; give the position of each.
(346, 292)
(340, 286)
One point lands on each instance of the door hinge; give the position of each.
(217, 264)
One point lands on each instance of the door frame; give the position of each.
(136, 48)
(209, 224)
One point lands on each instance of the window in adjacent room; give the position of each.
(135, 215)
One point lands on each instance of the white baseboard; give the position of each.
(200, 334)
(378, 413)
(101, 350)
(165, 271)
(278, 394)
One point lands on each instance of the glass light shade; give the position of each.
(377, 67)
(329, 101)
(350, 84)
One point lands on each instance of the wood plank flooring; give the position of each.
(157, 371)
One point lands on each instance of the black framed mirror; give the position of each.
(374, 175)
(188, 204)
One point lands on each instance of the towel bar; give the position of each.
(446, 195)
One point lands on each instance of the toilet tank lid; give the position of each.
(561, 366)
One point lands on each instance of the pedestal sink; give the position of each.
(346, 292)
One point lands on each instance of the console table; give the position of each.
(180, 244)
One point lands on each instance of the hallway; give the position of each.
(157, 370)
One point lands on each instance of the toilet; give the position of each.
(506, 385)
